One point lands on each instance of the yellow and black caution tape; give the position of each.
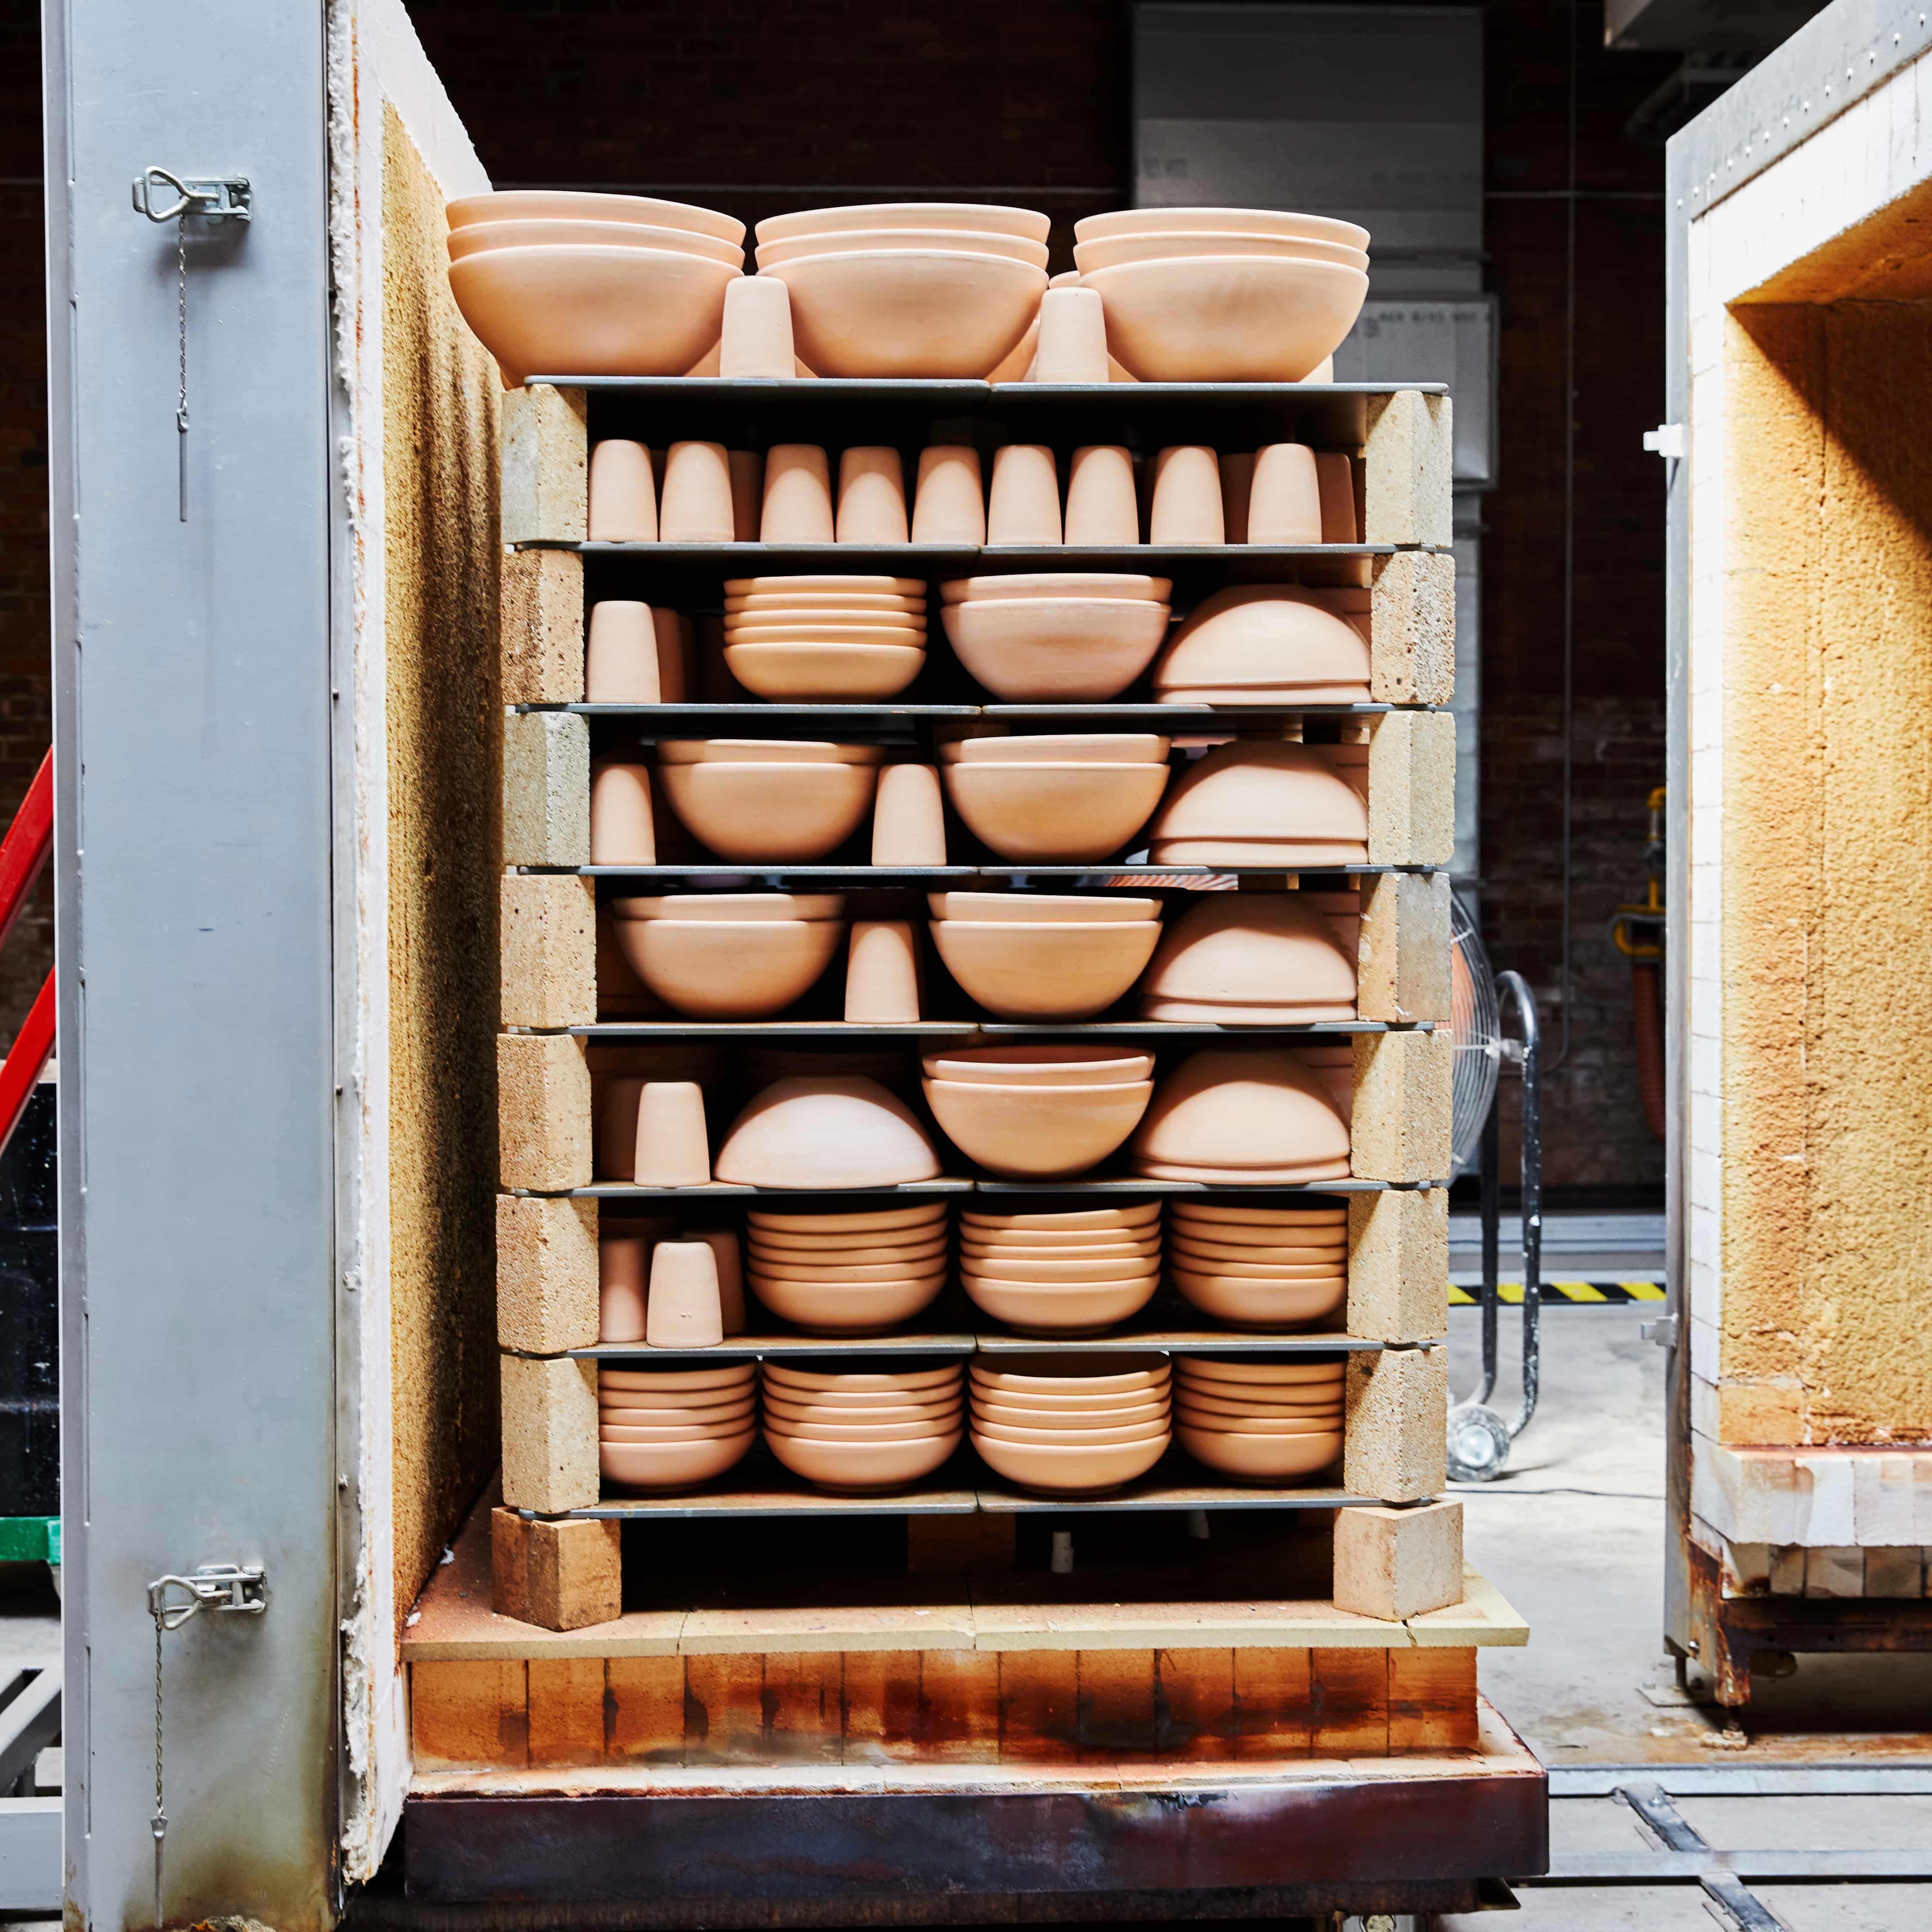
(1566, 1294)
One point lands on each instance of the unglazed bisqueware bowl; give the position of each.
(825, 1132)
(1037, 1067)
(1070, 1471)
(1056, 908)
(867, 1221)
(1166, 245)
(1253, 1109)
(1036, 1411)
(1208, 1414)
(1256, 790)
(1114, 1375)
(791, 1408)
(1141, 1216)
(1259, 637)
(918, 1238)
(810, 674)
(1222, 221)
(1036, 1131)
(966, 240)
(665, 1384)
(830, 583)
(1055, 649)
(1055, 814)
(845, 1308)
(612, 1414)
(770, 813)
(1060, 1308)
(986, 217)
(774, 1252)
(1121, 1415)
(480, 235)
(652, 1433)
(1073, 1268)
(1254, 950)
(831, 603)
(755, 907)
(922, 1429)
(1030, 970)
(1071, 1438)
(856, 627)
(561, 205)
(1241, 1371)
(983, 1253)
(1244, 1304)
(641, 1466)
(764, 752)
(723, 969)
(803, 1274)
(665, 1405)
(1238, 1214)
(847, 1384)
(1326, 1268)
(1082, 584)
(1105, 748)
(862, 1466)
(1261, 1458)
(1182, 1242)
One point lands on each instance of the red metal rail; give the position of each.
(22, 853)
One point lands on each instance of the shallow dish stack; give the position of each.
(1061, 637)
(879, 1430)
(1259, 1421)
(1260, 1267)
(773, 800)
(730, 956)
(1044, 955)
(1078, 1425)
(815, 639)
(663, 1429)
(1072, 1272)
(847, 1274)
(1045, 1111)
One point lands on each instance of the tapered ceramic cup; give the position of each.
(617, 1126)
(622, 1277)
(1187, 497)
(1101, 505)
(798, 496)
(723, 1242)
(695, 504)
(756, 343)
(685, 1310)
(620, 654)
(871, 497)
(1237, 485)
(748, 490)
(1285, 506)
(949, 505)
(623, 495)
(1335, 478)
(882, 972)
(1023, 506)
(622, 827)
(1072, 344)
(908, 818)
(672, 1150)
(674, 654)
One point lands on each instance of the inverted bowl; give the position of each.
(863, 1466)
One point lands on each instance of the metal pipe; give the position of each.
(1512, 987)
(1490, 1168)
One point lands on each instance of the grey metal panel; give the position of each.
(30, 1857)
(1703, 26)
(1451, 342)
(193, 928)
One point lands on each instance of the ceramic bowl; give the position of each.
(1054, 814)
(1113, 1374)
(1225, 220)
(860, 1466)
(845, 1308)
(668, 1385)
(480, 235)
(774, 1252)
(1248, 1108)
(679, 1432)
(1258, 638)
(1060, 1308)
(969, 241)
(1073, 1438)
(1104, 747)
(787, 1408)
(921, 1237)
(1225, 318)
(1040, 1067)
(1242, 1304)
(1027, 969)
(1055, 649)
(665, 1405)
(1032, 1408)
(1075, 1268)
(1159, 244)
(1236, 1214)
(1057, 908)
(830, 584)
(923, 1430)
(1239, 1371)
(547, 204)
(985, 1254)
(810, 674)
(569, 310)
(721, 969)
(825, 1132)
(1256, 790)
(764, 752)
(892, 312)
(1071, 1471)
(986, 217)
(1058, 583)
(1074, 1220)
(1018, 1415)
(669, 1465)
(1036, 1131)
(1325, 1268)
(1334, 1254)
(868, 1222)
(755, 907)
(827, 627)
(796, 603)
(610, 1415)
(850, 1384)
(1261, 1458)
(1254, 948)
(770, 813)
(795, 1272)
(1241, 1416)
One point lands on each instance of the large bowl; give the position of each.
(1103, 1414)
(571, 310)
(770, 813)
(1040, 1131)
(862, 629)
(608, 1431)
(1222, 221)
(1038, 1066)
(765, 752)
(966, 240)
(1283, 1420)
(1072, 1471)
(1054, 814)
(1242, 1303)
(721, 969)
(662, 1405)
(1104, 747)
(1166, 245)
(664, 1384)
(891, 1243)
(869, 1222)
(1060, 1308)
(985, 1253)
(710, 1416)
(1262, 638)
(825, 606)
(850, 1385)
(1030, 970)
(1137, 1214)
(1225, 318)
(818, 673)
(1238, 1214)
(893, 312)
(845, 1308)
(482, 236)
(1261, 1254)
(986, 217)
(1057, 908)
(1244, 1372)
(669, 1465)
(1031, 1377)
(795, 1272)
(1253, 950)
(801, 1262)
(1055, 649)
(1071, 1438)
(860, 1466)
(561, 205)
(832, 584)
(789, 1409)
(755, 907)
(1061, 1270)
(1261, 1458)
(826, 1133)
(1242, 1108)
(1082, 584)
(1254, 790)
(922, 1429)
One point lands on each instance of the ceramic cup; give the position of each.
(1237, 484)
(1073, 346)
(623, 497)
(882, 973)
(723, 1244)
(798, 495)
(621, 823)
(871, 497)
(1335, 478)
(1187, 497)
(685, 1312)
(748, 490)
(1285, 505)
(908, 818)
(1101, 505)
(622, 1274)
(674, 654)
(620, 654)
(755, 343)
(672, 1150)
(949, 501)
(695, 504)
(1023, 506)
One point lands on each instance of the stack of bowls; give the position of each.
(819, 639)
(1260, 1267)
(1261, 1421)
(1043, 1112)
(730, 956)
(1253, 1117)
(1044, 955)
(662, 1428)
(879, 1430)
(1252, 959)
(1076, 1424)
(768, 800)
(1061, 1273)
(915, 288)
(560, 283)
(1060, 637)
(1223, 294)
(847, 1274)
(1261, 802)
(1058, 799)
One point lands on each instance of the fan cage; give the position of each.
(1475, 1024)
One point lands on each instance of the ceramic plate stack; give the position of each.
(770, 800)
(560, 284)
(1261, 1421)
(1044, 955)
(663, 1429)
(1044, 1111)
(1223, 294)
(1078, 1424)
(847, 1274)
(1260, 1267)
(879, 1430)
(911, 289)
(1061, 637)
(1067, 1274)
(820, 639)
(730, 956)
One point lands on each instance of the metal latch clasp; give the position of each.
(172, 1601)
(218, 198)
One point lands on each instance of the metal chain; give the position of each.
(181, 400)
(160, 1818)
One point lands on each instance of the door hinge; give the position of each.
(1662, 1330)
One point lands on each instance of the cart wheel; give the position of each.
(1479, 1444)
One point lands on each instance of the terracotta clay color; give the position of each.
(1073, 346)
(1089, 1438)
(966, 240)
(871, 497)
(1070, 1471)
(755, 332)
(720, 1418)
(1264, 1256)
(1258, 791)
(846, 1307)
(769, 812)
(863, 1433)
(1111, 1415)
(729, 970)
(621, 831)
(1092, 1375)
(620, 654)
(1108, 908)
(1102, 507)
(987, 1256)
(1032, 970)
(1285, 506)
(676, 751)
(560, 204)
(882, 976)
(826, 1133)
(1058, 584)
(1187, 507)
(685, 1310)
(1260, 1305)
(672, 1151)
(1023, 506)
(695, 504)
(758, 907)
(747, 486)
(1049, 650)
(1335, 481)
(660, 1384)
(909, 818)
(1248, 1108)
(987, 217)
(949, 501)
(623, 494)
(1251, 957)
(1054, 813)
(1103, 748)
(1262, 1458)
(834, 1262)
(845, 1415)
(1034, 1131)
(797, 507)
(674, 654)
(623, 1275)
(858, 1271)
(1241, 1370)
(833, 584)
(861, 1467)
(1044, 1067)
(638, 1466)
(1061, 1270)
(875, 1221)
(843, 1385)
(1165, 244)
(826, 606)
(619, 1435)
(825, 673)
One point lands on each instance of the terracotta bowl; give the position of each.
(1303, 1174)
(1103, 748)
(782, 1258)
(678, 1432)
(1241, 1108)
(894, 312)
(1262, 789)
(481, 236)
(1054, 814)
(797, 1272)
(669, 1384)
(1261, 1304)
(1255, 947)
(1041, 1066)
(764, 752)
(1040, 1131)
(1225, 318)
(1264, 637)
(860, 1466)
(669, 1465)
(1027, 969)
(1111, 1375)
(847, 1384)
(1071, 1221)
(986, 218)
(1262, 1458)
(1239, 1416)
(1057, 908)
(1158, 244)
(1278, 855)
(884, 1415)
(1073, 1438)
(1333, 1254)
(985, 1254)
(796, 603)
(1241, 1370)
(1324, 1268)
(566, 310)
(1060, 1308)
(610, 1415)
(1225, 221)
(666, 1404)
(1074, 1268)
(548, 204)
(1058, 583)
(770, 813)
(1073, 1471)
(1105, 1413)
(845, 1308)
(755, 907)
(1236, 1214)
(923, 1430)
(814, 673)
(867, 1221)
(1056, 649)
(831, 583)
(852, 627)
(921, 1237)
(829, 1133)
(969, 241)
(719, 969)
